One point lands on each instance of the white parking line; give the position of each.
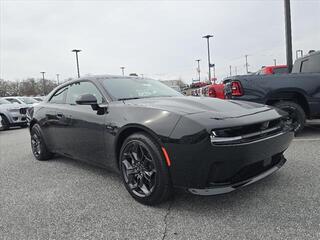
(305, 139)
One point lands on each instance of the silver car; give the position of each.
(30, 101)
(12, 114)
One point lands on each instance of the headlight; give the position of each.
(247, 133)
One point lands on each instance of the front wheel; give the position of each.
(38, 146)
(143, 170)
(296, 114)
(4, 123)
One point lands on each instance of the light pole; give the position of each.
(122, 69)
(287, 14)
(58, 78)
(209, 63)
(275, 62)
(198, 69)
(247, 65)
(43, 83)
(77, 51)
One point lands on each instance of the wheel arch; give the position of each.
(32, 123)
(289, 95)
(128, 130)
(3, 114)
(5, 119)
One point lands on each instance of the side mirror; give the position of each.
(87, 99)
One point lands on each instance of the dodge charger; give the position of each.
(158, 139)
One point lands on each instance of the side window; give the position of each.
(12, 100)
(79, 88)
(304, 66)
(59, 96)
(314, 64)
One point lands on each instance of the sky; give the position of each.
(159, 39)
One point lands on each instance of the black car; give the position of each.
(158, 139)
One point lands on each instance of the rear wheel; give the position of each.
(143, 170)
(296, 113)
(38, 146)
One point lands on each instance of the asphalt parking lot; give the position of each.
(66, 199)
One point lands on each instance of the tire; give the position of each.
(296, 113)
(38, 146)
(4, 123)
(144, 171)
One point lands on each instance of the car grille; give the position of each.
(23, 110)
(244, 173)
(255, 169)
(247, 133)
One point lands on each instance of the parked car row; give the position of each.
(214, 90)
(14, 111)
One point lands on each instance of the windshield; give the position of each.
(133, 88)
(3, 101)
(28, 100)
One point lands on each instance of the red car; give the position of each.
(268, 70)
(216, 90)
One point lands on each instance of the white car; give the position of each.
(30, 101)
(12, 114)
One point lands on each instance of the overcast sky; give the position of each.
(161, 39)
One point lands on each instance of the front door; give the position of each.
(84, 136)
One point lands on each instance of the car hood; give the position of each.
(210, 112)
(194, 105)
(11, 106)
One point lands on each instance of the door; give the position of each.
(55, 120)
(84, 136)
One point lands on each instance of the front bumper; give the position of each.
(216, 190)
(17, 119)
(206, 169)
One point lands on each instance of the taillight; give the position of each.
(236, 89)
(212, 92)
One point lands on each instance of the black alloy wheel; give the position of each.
(138, 169)
(38, 146)
(144, 170)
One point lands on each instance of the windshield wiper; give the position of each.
(130, 98)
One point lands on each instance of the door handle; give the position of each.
(60, 115)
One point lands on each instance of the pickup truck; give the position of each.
(298, 92)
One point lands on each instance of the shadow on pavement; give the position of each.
(312, 129)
